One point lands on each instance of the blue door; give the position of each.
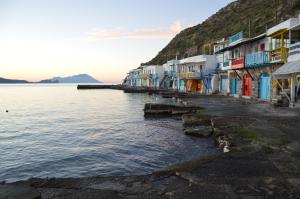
(234, 86)
(208, 84)
(181, 86)
(265, 87)
(224, 84)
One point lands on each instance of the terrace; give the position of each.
(190, 75)
(279, 54)
(257, 59)
(238, 63)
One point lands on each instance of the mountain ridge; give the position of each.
(235, 17)
(81, 78)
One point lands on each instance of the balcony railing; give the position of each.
(190, 75)
(236, 37)
(257, 59)
(209, 72)
(144, 76)
(279, 54)
(171, 73)
(294, 49)
(152, 76)
(238, 63)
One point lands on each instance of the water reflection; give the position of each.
(58, 131)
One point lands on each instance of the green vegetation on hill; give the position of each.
(231, 19)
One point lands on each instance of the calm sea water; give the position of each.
(58, 131)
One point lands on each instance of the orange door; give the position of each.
(247, 85)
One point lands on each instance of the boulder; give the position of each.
(18, 192)
(199, 131)
(193, 119)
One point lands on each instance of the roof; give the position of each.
(278, 33)
(283, 25)
(195, 59)
(287, 69)
(246, 41)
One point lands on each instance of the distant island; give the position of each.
(75, 79)
(12, 81)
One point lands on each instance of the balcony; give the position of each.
(171, 73)
(209, 72)
(143, 76)
(279, 55)
(238, 63)
(190, 75)
(294, 52)
(257, 59)
(237, 37)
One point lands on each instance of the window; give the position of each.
(262, 47)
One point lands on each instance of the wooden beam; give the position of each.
(249, 74)
(282, 90)
(238, 75)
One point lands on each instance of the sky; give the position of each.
(40, 39)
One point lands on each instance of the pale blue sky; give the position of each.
(104, 38)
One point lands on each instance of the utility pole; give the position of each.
(249, 28)
(276, 11)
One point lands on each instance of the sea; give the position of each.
(55, 130)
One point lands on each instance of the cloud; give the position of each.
(151, 33)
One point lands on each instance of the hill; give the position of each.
(82, 78)
(12, 81)
(235, 17)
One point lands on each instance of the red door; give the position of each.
(247, 85)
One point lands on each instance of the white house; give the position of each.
(170, 79)
(196, 74)
(153, 74)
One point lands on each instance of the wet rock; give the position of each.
(18, 192)
(55, 193)
(193, 119)
(199, 131)
(165, 110)
(223, 143)
(109, 186)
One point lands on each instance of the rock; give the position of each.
(108, 185)
(226, 149)
(166, 110)
(18, 192)
(218, 132)
(223, 143)
(192, 119)
(199, 131)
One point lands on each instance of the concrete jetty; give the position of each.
(89, 87)
(126, 89)
(166, 110)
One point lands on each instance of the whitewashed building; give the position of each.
(152, 76)
(170, 78)
(196, 74)
(288, 75)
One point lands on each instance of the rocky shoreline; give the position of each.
(262, 160)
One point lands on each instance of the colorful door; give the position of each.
(208, 84)
(181, 86)
(247, 85)
(265, 86)
(234, 86)
(224, 82)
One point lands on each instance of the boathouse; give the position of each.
(195, 73)
(152, 75)
(170, 79)
(287, 77)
